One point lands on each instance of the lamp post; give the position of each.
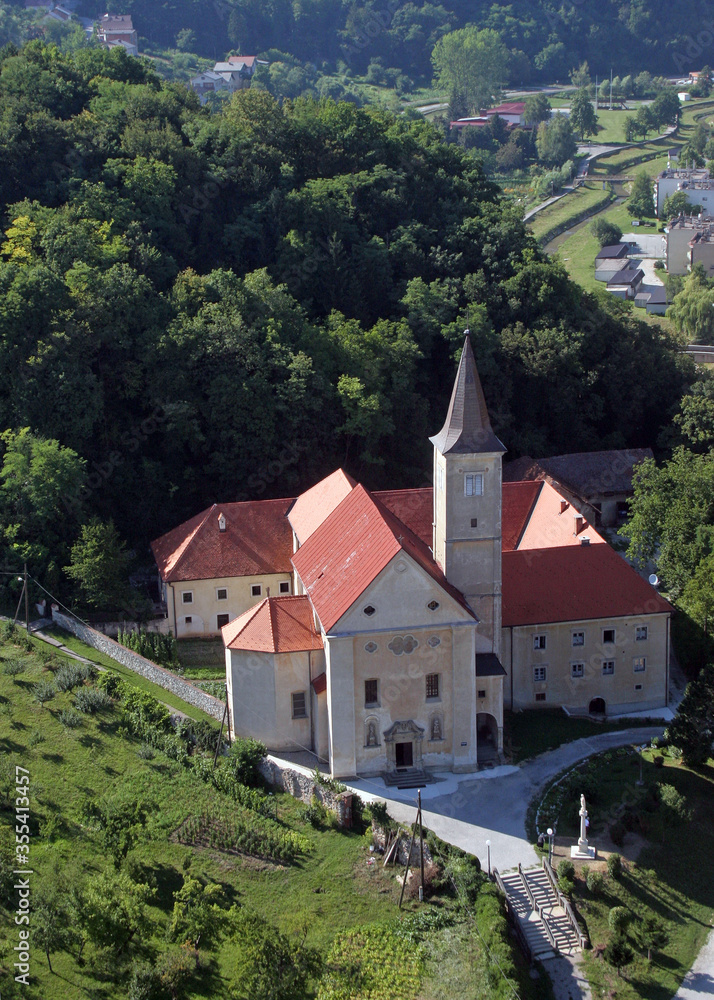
(550, 845)
(488, 857)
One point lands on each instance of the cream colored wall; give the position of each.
(260, 689)
(402, 694)
(678, 239)
(206, 606)
(560, 688)
(703, 253)
(400, 595)
(471, 557)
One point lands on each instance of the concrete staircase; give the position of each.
(545, 925)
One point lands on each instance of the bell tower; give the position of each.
(467, 499)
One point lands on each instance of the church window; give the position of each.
(371, 647)
(540, 696)
(433, 605)
(608, 667)
(639, 664)
(299, 705)
(578, 638)
(608, 635)
(187, 596)
(221, 594)
(403, 644)
(474, 522)
(284, 586)
(473, 484)
(369, 610)
(638, 687)
(538, 642)
(539, 673)
(640, 633)
(434, 641)
(432, 685)
(577, 669)
(482, 694)
(371, 693)
(188, 619)
(222, 620)
(256, 589)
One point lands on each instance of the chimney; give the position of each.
(564, 506)
(221, 522)
(579, 523)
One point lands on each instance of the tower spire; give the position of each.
(467, 428)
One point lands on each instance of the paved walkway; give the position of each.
(699, 981)
(491, 805)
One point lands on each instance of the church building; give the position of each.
(401, 622)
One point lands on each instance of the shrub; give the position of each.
(605, 232)
(43, 691)
(658, 760)
(114, 686)
(594, 881)
(618, 953)
(146, 752)
(566, 869)
(145, 983)
(69, 677)
(92, 700)
(614, 866)
(618, 919)
(70, 718)
(36, 736)
(13, 668)
(245, 757)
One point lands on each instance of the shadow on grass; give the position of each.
(54, 758)
(90, 742)
(10, 746)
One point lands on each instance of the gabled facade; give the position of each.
(414, 616)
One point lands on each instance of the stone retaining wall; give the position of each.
(182, 688)
(304, 787)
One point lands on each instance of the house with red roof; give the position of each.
(386, 631)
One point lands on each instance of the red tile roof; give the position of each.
(508, 108)
(415, 508)
(312, 507)
(518, 502)
(257, 540)
(572, 583)
(276, 625)
(351, 548)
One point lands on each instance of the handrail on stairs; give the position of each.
(565, 903)
(515, 922)
(535, 905)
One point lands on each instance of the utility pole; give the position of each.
(27, 601)
(421, 848)
(596, 94)
(611, 88)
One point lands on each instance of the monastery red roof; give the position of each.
(518, 502)
(312, 507)
(351, 548)
(415, 508)
(572, 583)
(257, 540)
(276, 625)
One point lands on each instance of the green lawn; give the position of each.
(330, 889)
(534, 731)
(587, 198)
(672, 879)
(77, 646)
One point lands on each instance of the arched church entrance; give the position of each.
(597, 706)
(487, 738)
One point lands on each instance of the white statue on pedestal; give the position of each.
(583, 839)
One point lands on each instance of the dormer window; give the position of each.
(433, 605)
(221, 522)
(369, 610)
(473, 484)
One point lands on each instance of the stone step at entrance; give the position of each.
(408, 778)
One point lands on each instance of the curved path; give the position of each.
(491, 805)
(699, 981)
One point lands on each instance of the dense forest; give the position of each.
(547, 38)
(203, 306)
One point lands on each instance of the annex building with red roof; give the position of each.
(386, 631)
